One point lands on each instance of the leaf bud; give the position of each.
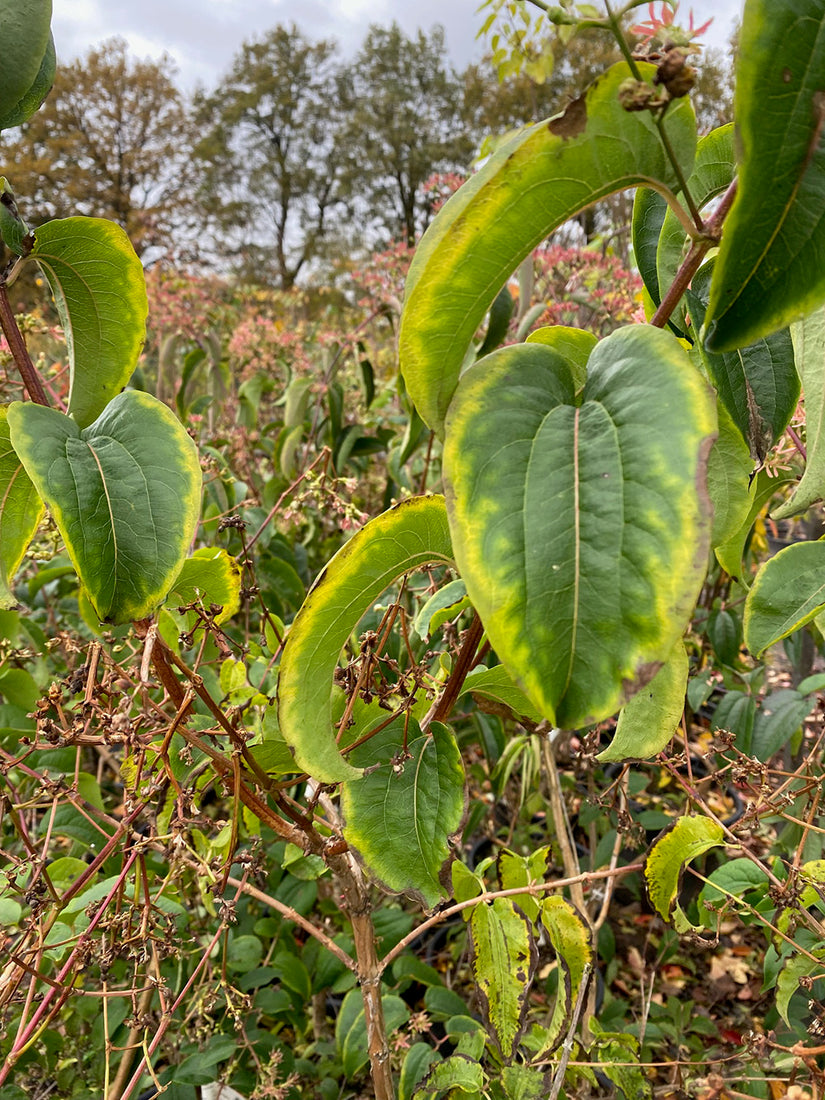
(561, 17)
(674, 72)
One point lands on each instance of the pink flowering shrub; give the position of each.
(261, 343)
(584, 288)
(182, 303)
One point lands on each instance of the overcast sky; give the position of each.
(203, 35)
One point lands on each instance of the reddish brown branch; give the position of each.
(17, 346)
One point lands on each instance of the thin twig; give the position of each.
(491, 895)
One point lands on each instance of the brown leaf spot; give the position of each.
(572, 120)
(786, 75)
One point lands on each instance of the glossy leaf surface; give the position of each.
(730, 467)
(758, 384)
(771, 267)
(504, 958)
(533, 183)
(411, 534)
(579, 522)
(37, 92)
(25, 29)
(97, 282)
(124, 493)
(448, 602)
(788, 592)
(729, 553)
(808, 338)
(497, 685)
(573, 344)
(21, 510)
(417, 1062)
(648, 721)
(649, 210)
(401, 814)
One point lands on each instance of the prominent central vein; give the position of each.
(576, 548)
(111, 514)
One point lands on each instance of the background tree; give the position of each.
(712, 96)
(271, 154)
(111, 141)
(493, 106)
(404, 123)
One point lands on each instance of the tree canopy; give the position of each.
(296, 150)
(403, 123)
(271, 153)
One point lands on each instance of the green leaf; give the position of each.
(779, 717)
(770, 269)
(499, 321)
(736, 713)
(272, 753)
(417, 1061)
(572, 344)
(504, 958)
(10, 913)
(65, 871)
(444, 604)
(423, 787)
(457, 1072)
(758, 384)
(579, 523)
(13, 229)
(25, 29)
(244, 953)
(522, 1082)
(210, 577)
(618, 1054)
(789, 590)
(466, 885)
(680, 843)
(731, 881)
(411, 534)
(515, 870)
(649, 210)
(352, 1041)
(124, 493)
(648, 721)
(33, 99)
(797, 967)
(571, 940)
(497, 684)
(729, 553)
(808, 338)
(730, 467)
(21, 510)
(100, 294)
(531, 185)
